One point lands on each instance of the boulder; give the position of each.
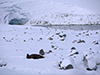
(67, 63)
(41, 52)
(89, 61)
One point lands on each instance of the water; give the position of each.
(74, 27)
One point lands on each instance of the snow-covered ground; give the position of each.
(40, 12)
(68, 50)
(17, 41)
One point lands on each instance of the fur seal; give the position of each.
(34, 56)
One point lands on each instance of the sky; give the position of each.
(93, 5)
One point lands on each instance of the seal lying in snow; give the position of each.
(34, 56)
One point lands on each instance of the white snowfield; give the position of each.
(70, 50)
(43, 12)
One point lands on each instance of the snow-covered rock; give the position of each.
(89, 60)
(67, 63)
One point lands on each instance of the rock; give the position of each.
(48, 52)
(57, 33)
(50, 38)
(95, 42)
(62, 37)
(74, 41)
(79, 34)
(73, 48)
(97, 33)
(89, 61)
(74, 53)
(67, 63)
(52, 46)
(41, 52)
(2, 63)
(81, 41)
(34, 56)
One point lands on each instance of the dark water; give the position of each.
(74, 27)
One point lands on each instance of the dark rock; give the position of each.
(41, 52)
(60, 36)
(48, 52)
(76, 53)
(31, 38)
(45, 22)
(24, 40)
(3, 37)
(81, 41)
(40, 38)
(34, 56)
(73, 48)
(69, 67)
(74, 41)
(96, 43)
(97, 33)
(64, 35)
(91, 69)
(57, 33)
(52, 46)
(87, 34)
(62, 39)
(3, 64)
(79, 33)
(50, 38)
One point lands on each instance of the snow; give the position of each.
(13, 49)
(16, 41)
(40, 12)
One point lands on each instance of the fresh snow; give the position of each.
(76, 45)
(40, 12)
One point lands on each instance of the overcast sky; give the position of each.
(93, 5)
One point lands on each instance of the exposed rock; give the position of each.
(91, 69)
(50, 38)
(57, 33)
(41, 52)
(95, 42)
(81, 41)
(87, 34)
(52, 46)
(73, 48)
(2, 63)
(48, 52)
(97, 33)
(62, 37)
(74, 53)
(74, 41)
(79, 33)
(34, 56)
